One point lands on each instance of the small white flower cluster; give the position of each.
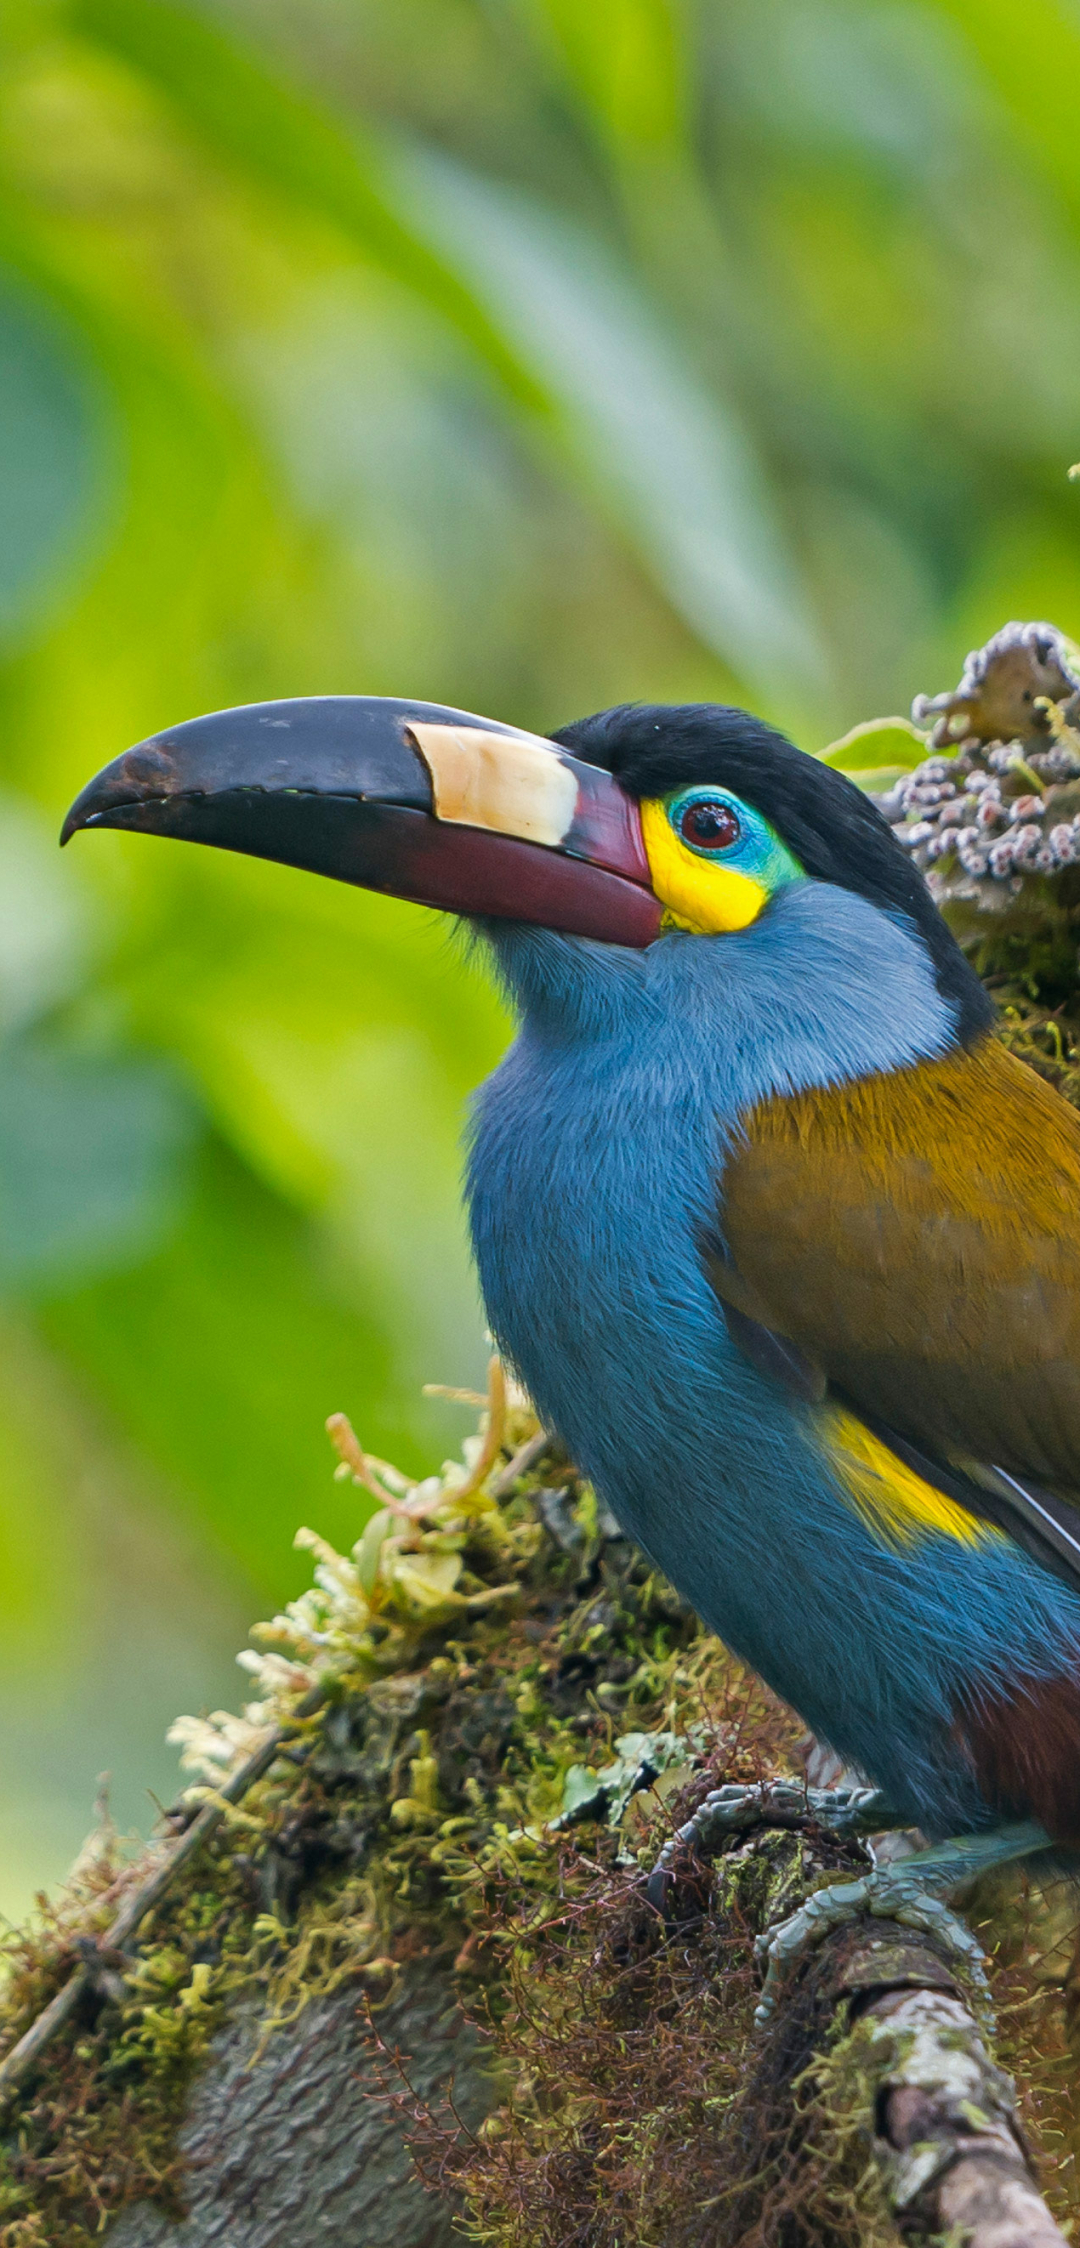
(989, 811)
(213, 1746)
(407, 1573)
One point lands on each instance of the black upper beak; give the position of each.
(409, 798)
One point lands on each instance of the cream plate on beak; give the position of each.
(514, 784)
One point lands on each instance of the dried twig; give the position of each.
(16, 2065)
(521, 1461)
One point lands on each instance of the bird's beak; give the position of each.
(435, 805)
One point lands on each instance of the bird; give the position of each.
(782, 1241)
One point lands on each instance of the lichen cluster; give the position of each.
(1001, 799)
(991, 812)
(992, 819)
(99, 2127)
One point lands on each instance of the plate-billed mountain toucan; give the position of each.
(783, 1243)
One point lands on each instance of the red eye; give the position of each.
(709, 825)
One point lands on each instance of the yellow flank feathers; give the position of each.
(698, 896)
(893, 1501)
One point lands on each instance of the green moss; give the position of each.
(100, 2119)
(457, 1701)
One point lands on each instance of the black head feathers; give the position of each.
(834, 830)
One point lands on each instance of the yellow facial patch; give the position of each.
(897, 1506)
(696, 894)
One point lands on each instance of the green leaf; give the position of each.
(427, 1580)
(563, 326)
(367, 1550)
(878, 743)
(640, 1760)
(584, 1795)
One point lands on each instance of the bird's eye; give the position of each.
(709, 825)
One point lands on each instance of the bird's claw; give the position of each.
(886, 1895)
(843, 1811)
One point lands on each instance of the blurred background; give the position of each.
(528, 355)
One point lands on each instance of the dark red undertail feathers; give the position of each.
(1024, 1746)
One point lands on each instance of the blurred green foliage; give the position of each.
(523, 354)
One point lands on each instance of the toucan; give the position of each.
(782, 1241)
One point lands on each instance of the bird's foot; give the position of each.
(886, 1895)
(842, 1811)
(905, 1892)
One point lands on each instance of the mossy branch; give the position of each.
(467, 1746)
(906, 2105)
(450, 1814)
(947, 2146)
(139, 1903)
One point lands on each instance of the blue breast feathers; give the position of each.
(593, 1163)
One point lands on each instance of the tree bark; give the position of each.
(295, 2145)
(940, 2117)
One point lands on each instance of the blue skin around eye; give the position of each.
(758, 853)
